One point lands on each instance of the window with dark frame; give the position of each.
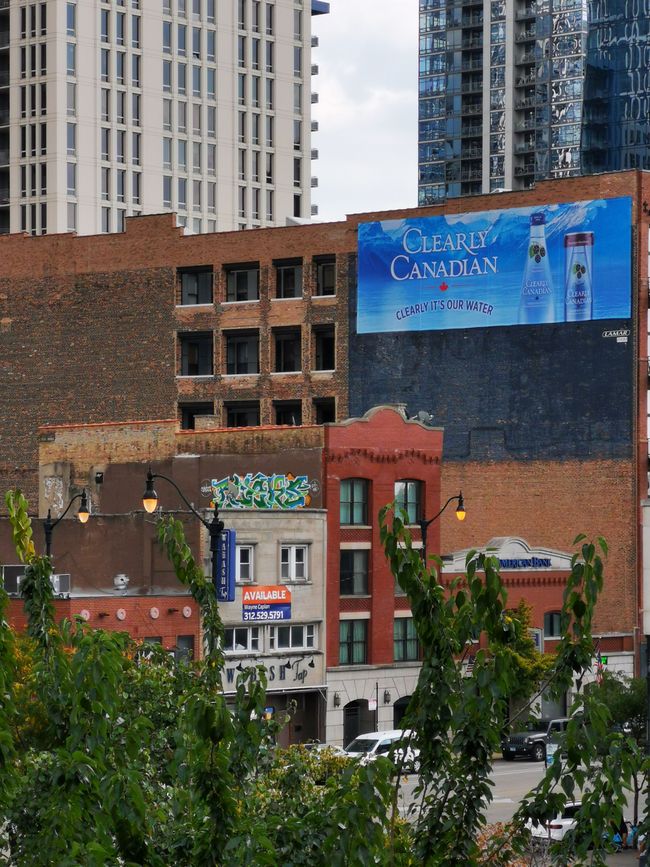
(243, 283)
(408, 496)
(189, 411)
(287, 350)
(324, 410)
(354, 502)
(288, 279)
(406, 647)
(325, 276)
(552, 624)
(242, 352)
(324, 347)
(353, 642)
(196, 285)
(288, 412)
(196, 353)
(243, 414)
(353, 572)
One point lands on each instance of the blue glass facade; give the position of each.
(616, 131)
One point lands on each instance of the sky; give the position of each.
(367, 109)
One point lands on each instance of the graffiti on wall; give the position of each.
(259, 491)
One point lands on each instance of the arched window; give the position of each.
(552, 624)
(408, 496)
(354, 501)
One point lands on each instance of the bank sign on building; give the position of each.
(524, 266)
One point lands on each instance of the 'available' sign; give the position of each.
(271, 602)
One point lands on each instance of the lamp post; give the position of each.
(424, 523)
(214, 527)
(48, 524)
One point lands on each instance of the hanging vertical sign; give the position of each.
(224, 577)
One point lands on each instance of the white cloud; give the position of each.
(367, 110)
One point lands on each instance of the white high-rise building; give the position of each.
(111, 108)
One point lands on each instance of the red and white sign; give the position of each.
(268, 602)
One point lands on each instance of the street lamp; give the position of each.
(48, 524)
(214, 527)
(424, 524)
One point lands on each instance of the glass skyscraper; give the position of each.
(514, 92)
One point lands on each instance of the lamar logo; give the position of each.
(622, 333)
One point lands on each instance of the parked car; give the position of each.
(530, 742)
(372, 744)
(556, 828)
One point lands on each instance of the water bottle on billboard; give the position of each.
(536, 303)
(578, 289)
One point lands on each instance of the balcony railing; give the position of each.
(471, 154)
(4, 157)
(526, 169)
(525, 147)
(471, 130)
(4, 79)
(526, 57)
(524, 125)
(4, 196)
(471, 175)
(526, 80)
(471, 64)
(525, 12)
(472, 86)
(525, 35)
(4, 118)
(472, 109)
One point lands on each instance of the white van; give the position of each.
(368, 746)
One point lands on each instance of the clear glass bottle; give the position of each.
(578, 287)
(536, 302)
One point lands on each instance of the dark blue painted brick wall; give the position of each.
(522, 393)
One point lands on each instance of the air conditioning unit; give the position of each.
(11, 577)
(314, 69)
(314, 153)
(314, 98)
(314, 42)
(314, 182)
(314, 210)
(61, 583)
(314, 126)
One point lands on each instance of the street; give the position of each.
(513, 780)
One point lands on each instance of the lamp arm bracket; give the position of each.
(182, 496)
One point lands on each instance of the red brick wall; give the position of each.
(383, 449)
(549, 504)
(138, 622)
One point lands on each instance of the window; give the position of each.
(120, 111)
(196, 286)
(182, 154)
(167, 191)
(353, 573)
(406, 647)
(135, 70)
(121, 184)
(106, 219)
(135, 109)
(212, 159)
(135, 31)
(297, 98)
(242, 414)
(552, 624)
(196, 43)
(269, 56)
(288, 278)
(196, 195)
(43, 98)
(297, 61)
(354, 501)
(269, 19)
(288, 412)
(184, 650)
(189, 411)
(71, 59)
(269, 204)
(119, 28)
(167, 114)
(242, 353)
(120, 139)
(196, 157)
(167, 75)
(71, 130)
(243, 283)
(211, 51)
(72, 179)
(181, 83)
(325, 276)
(353, 642)
(106, 183)
(292, 637)
(241, 50)
(196, 354)
(211, 82)
(324, 410)
(269, 89)
(255, 128)
(255, 53)
(72, 217)
(182, 116)
(297, 171)
(104, 26)
(196, 80)
(71, 99)
(241, 639)
(167, 153)
(408, 496)
(324, 347)
(135, 149)
(269, 131)
(297, 206)
(287, 350)
(71, 26)
(255, 91)
(244, 559)
(167, 37)
(182, 193)
(136, 179)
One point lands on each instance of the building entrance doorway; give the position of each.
(357, 720)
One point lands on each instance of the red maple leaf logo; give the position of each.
(443, 287)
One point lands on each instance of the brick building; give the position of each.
(545, 426)
(303, 502)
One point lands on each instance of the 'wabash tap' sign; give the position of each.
(224, 569)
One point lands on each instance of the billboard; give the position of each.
(523, 266)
